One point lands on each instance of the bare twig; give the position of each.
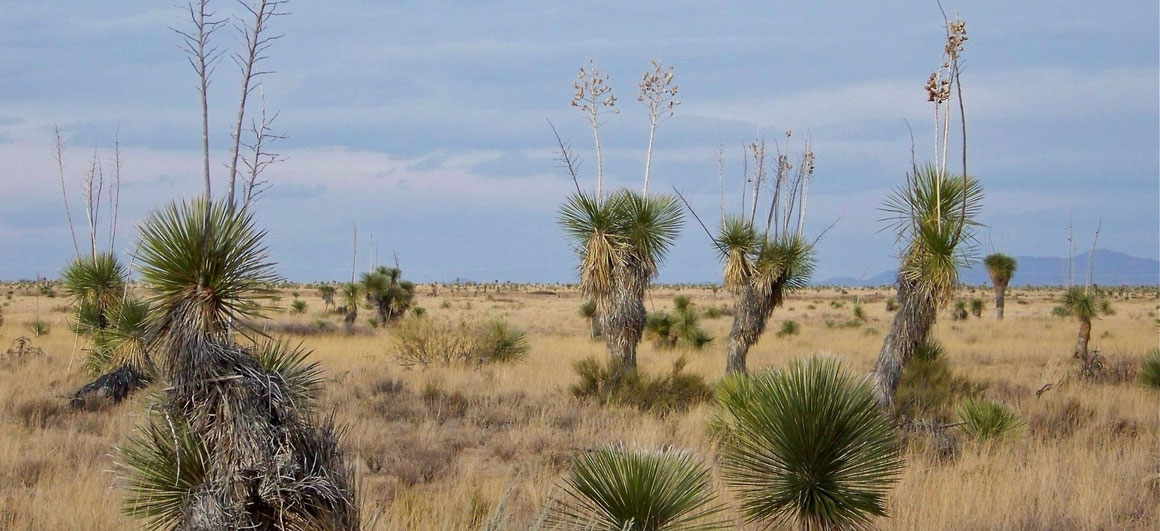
(260, 156)
(115, 189)
(658, 94)
(256, 45)
(698, 218)
(593, 95)
(566, 158)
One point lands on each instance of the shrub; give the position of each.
(681, 328)
(891, 304)
(1150, 369)
(422, 342)
(984, 420)
(298, 306)
(859, 312)
(960, 311)
(928, 389)
(977, 307)
(788, 328)
(712, 312)
(613, 487)
(807, 446)
(612, 383)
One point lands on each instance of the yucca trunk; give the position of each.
(595, 330)
(1000, 297)
(751, 309)
(912, 323)
(622, 313)
(1085, 335)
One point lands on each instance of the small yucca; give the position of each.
(807, 445)
(1150, 369)
(614, 487)
(984, 420)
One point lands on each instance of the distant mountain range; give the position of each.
(1111, 269)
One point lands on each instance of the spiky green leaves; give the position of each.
(1083, 303)
(100, 280)
(984, 420)
(934, 215)
(1150, 369)
(289, 365)
(124, 340)
(807, 445)
(206, 265)
(624, 229)
(786, 260)
(165, 464)
(1001, 268)
(614, 487)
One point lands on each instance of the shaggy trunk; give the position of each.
(912, 322)
(1000, 296)
(1085, 335)
(350, 318)
(751, 310)
(596, 330)
(114, 386)
(622, 313)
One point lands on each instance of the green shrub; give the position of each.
(788, 328)
(298, 306)
(928, 389)
(612, 487)
(681, 328)
(977, 307)
(712, 312)
(859, 312)
(39, 327)
(423, 342)
(984, 420)
(612, 383)
(1150, 369)
(807, 446)
(500, 343)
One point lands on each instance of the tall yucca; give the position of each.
(806, 445)
(270, 462)
(1085, 304)
(1001, 268)
(934, 218)
(759, 271)
(613, 487)
(620, 242)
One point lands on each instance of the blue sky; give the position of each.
(424, 122)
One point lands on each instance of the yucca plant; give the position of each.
(96, 285)
(1085, 304)
(806, 445)
(119, 356)
(298, 306)
(327, 293)
(621, 242)
(984, 420)
(681, 328)
(1150, 369)
(933, 215)
(387, 293)
(1001, 268)
(977, 307)
(614, 487)
(760, 270)
(272, 462)
(351, 296)
(621, 238)
(501, 343)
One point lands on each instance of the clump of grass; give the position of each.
(859, 312)
(501, 343)
(788, 328)
(984, 420)
(614, 487)
(892, 304)
(1149, 374)
(681, 328)
(977, 307)
(612, 383)
(298, 306)
(712, 312)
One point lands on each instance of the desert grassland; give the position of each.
(458, 447)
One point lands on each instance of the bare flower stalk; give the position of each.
(594, 96)
(115, 189)
(658, 94)
(256, 45)
(92, 185)
(203, 57)
(63, 190)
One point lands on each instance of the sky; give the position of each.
(426, 124)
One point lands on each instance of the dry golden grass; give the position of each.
(453, 447)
